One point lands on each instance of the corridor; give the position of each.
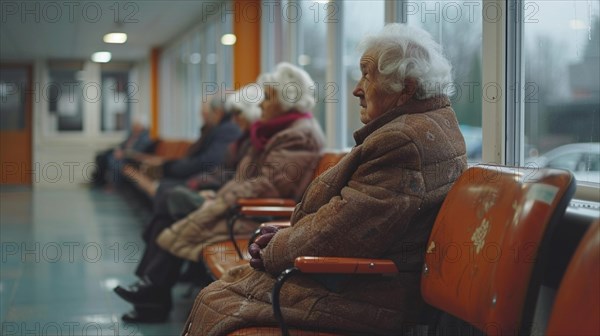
(62, 252)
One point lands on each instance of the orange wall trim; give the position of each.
(246, 50)
(154, 89)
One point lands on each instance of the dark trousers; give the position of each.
(99, 176)
(160, 266)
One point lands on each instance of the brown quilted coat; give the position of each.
(380, 201)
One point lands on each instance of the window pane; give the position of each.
(457, 26)
(561, 56)
(191, 69)
(65, 102)
(115, 110)
(13, 85)
(312, 51)
(360, 19)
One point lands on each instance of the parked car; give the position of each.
(583, 159)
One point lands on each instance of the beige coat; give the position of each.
(283, 169)
(380, 201)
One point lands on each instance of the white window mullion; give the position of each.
(396, 11)
(515, 78)
(336, 119)
(493, 77)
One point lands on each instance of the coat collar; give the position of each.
(413, 107)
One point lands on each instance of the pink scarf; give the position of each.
(262, 131)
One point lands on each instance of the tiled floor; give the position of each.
(62, 252)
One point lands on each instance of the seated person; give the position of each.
(245, 111)
(380, 201)
(110, 162)
(286, 144)
(218, 132)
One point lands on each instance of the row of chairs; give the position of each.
(485, 257)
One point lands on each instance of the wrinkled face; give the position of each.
(374, 101)
(271, 107)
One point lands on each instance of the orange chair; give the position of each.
(576, 308)
(486, 252)
(222, 256)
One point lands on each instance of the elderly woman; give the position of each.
(380, 201)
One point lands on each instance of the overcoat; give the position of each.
(380, 201)
(284, 168)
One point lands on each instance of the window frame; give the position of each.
(502, 64)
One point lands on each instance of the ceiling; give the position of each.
(32, 30)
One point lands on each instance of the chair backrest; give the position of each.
(485, 254)
(172, 149)
(328, 160)
(576, 309)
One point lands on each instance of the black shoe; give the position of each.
(146, 315)
(145, 293)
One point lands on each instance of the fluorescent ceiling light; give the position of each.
(228, 39)
(101, 57)
(115, 38)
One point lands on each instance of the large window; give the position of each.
(542, 60)
(118, 94)
(87, 98)
(561, 104)
(457, 26)
(360, 19)
(192, 69)
(312, 49)
(65, 94)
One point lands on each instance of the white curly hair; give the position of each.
(410, 52)
(294, 87)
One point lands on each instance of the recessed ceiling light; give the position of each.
(101, 57)
(195, 58)
(115, 38)
(228, 39)
(577, 24)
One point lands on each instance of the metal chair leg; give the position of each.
(276, 303)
